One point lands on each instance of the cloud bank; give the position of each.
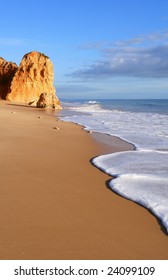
(141, 57)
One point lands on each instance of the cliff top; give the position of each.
(34, 53)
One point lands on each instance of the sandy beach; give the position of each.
(54, 204)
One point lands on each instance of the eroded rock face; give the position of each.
(7, 71)
(34, 76)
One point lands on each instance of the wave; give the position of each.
(89, 108)
(92, 102)
(141, 174)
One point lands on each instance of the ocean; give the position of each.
(141, 175)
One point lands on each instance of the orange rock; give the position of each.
(34, 76)
(48, 100)
(7, 71)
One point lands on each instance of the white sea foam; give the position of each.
(138, 188)
(139, 178)
(89, 108)
(142, 175)
(92, 102)
(145, 130)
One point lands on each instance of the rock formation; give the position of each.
(47, 100)
(7, 71)
(33, 78)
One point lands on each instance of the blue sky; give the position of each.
(99, 48)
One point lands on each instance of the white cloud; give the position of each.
(137, 57)
(155, 37)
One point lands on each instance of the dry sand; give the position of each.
(54, 204)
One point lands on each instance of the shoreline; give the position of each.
(109, 143)
(112, 143)
(55, 204)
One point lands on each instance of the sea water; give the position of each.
(142, 174)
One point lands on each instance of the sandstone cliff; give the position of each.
(33, 78)
(7, 71)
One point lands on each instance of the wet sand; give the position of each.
(54, 204)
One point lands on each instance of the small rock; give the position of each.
(48, 100)
(40, 117)
(13, 112)
(57, 128)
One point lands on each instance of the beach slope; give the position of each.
(54, 204)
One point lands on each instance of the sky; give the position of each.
(99, 48)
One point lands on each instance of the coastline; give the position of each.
(55, 205)
(111, 144)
